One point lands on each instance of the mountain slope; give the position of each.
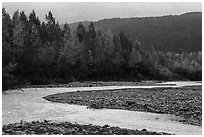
(176, 33)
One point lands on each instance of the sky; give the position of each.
(73, 12)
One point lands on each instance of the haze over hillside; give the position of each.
(92, 11)
(176, 33)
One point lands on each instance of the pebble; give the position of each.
(49, 128)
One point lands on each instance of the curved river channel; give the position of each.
(29, 105)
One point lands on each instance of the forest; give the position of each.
(169, 33)
(36, 52)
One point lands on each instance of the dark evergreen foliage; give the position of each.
(38, 52)
(176, 33)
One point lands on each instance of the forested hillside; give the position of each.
(167, 33)
(36, 52)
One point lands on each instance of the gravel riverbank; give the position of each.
(185, 102)
(65, 128)
(96, 84)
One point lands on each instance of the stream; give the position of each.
(29, 105)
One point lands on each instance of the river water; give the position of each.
(29, 105)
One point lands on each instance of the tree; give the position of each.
(91, 31)
(16, 17)
(19, 35)
(153, 60)
(135, 58)
(70, 52)
(50, 19)
(7, 38)
(91, 42)
(66, 32)
(73, 59)
(8, 60)
(104, 49)
(34, 19)
(33, 30)
(103, 64)
(117, 50)
(23, 17)
(54, 34)
(51, 27)
(43, 33)
(7, 27)
(81, 32)
(126, 48)
(86, 45)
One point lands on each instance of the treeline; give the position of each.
(176, 33)
(36, 52)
